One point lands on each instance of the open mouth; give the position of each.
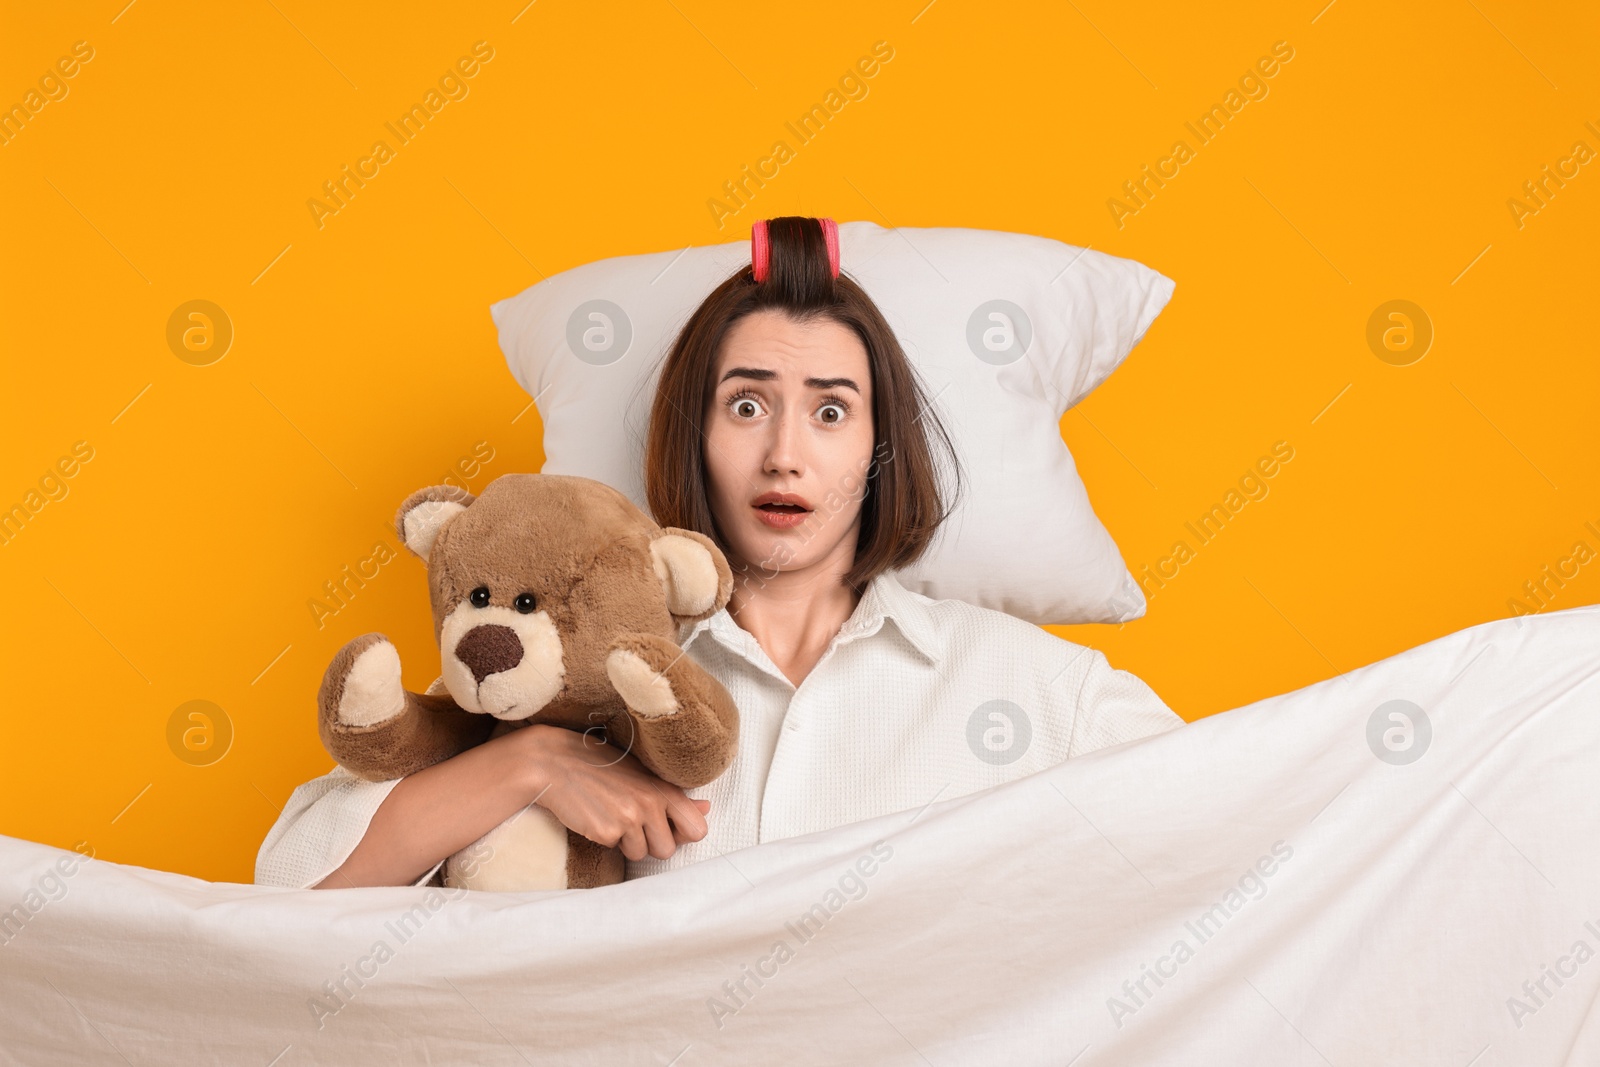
(781, 511)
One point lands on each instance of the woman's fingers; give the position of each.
(597, 800)
(688, 819)
(659, 836)
(633, 843)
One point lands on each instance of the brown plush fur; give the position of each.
(584, 551)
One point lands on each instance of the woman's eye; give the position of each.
(836, 407)
(480, 597)
(524, 603)
(745, 407)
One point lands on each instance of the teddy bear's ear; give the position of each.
(424, 513)
(694, 572)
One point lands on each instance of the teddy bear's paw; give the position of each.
(645, 690)
(373, 692)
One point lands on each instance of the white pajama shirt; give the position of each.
(945, 700)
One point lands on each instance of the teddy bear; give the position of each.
(557, 601)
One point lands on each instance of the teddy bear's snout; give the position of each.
(489, 649)
(499, 661)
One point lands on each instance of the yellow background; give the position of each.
(365, 365)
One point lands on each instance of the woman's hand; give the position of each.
(608, 796)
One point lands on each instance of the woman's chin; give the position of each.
(768, 550)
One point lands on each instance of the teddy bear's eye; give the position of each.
(480, 597)
(524, 603)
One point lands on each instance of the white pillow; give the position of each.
(1006, 330)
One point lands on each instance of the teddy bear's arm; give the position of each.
(681, 723)
(379, 730)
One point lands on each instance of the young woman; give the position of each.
(788, 426)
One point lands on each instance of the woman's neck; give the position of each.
(794, 614)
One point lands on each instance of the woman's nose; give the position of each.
(784, 448)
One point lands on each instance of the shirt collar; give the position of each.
(884, 598)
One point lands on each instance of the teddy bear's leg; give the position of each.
(685, 728)
(590, 865)
(527, 852)
(532, 851)
(376, 728)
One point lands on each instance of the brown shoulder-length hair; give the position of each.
(903, 503)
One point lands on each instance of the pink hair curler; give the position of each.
(761, 249)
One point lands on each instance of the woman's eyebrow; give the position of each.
(763, 375)
(748, 372)
(833, 383)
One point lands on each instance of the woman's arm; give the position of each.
(1115, 706)
(595, 790)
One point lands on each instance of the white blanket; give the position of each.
(1116, 909)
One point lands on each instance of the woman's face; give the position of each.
(791, 414)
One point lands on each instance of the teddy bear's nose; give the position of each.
(488, 650)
